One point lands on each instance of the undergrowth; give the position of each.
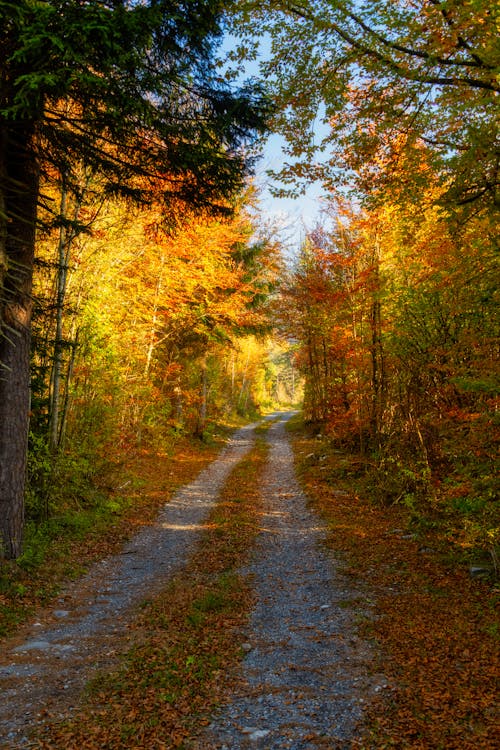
(435, 627)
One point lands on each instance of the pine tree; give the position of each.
(130, 90)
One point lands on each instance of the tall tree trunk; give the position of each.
(63, 418)
(233, 374)
(19, 187)
(244, 383)
(202, 413)
(377, 353)
(62, 273)
(154, 321)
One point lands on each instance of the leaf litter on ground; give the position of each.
(435, 626)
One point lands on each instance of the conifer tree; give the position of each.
(130, 90)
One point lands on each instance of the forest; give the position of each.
(148, 307)
(160, 304)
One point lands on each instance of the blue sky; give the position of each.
(290, 217)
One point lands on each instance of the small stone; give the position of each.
(325, 606)
(61, 613)
(259, 734)
(33, 646)
(246, 647)
(476, 571)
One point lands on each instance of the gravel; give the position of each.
(46, 667)
(307, 674)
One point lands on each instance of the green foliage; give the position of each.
(37, 544)
(39, 482)
(102, 78)
(63, 495)
(393, 83)
(33, 580)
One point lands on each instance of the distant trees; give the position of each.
(149, 323)
(398, 324)
(127, 91)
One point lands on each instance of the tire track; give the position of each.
(306, 677)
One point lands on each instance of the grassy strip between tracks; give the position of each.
(186, 639)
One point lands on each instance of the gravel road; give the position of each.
(307, 675)
(46, 666)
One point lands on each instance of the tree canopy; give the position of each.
(130, 89)
(398, 84)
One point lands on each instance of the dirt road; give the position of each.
(306, 675)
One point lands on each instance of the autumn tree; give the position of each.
(387, 79)
(162, 335)
(334, 308)
(216, 281)
(129, 90)
(397, 321)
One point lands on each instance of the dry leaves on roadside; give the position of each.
(436, 628)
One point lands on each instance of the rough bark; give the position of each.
(19, 188)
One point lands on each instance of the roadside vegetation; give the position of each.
(434, 619)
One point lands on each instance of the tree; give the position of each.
(216, 283)
(128, 89)
(335, 311)
(390, 80)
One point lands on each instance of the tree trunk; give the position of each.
(377, 354)
(62, 274)
(202, 413)
(63, 418)
(67, 234)
(154, 323)
(19, 188)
